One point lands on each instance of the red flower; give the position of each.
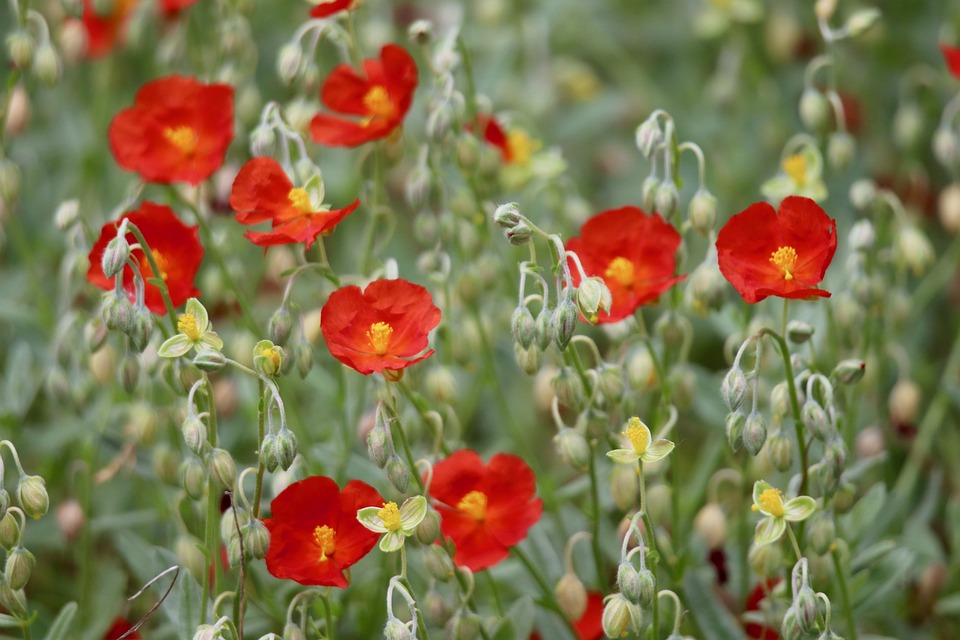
(119, 627)
(951, 56)
(176, 249)
(314, 531)
(383, 327)
(177, 130)
(172, 7)
(329, 7)
(484, 509)
(262, 191)
(634, 254)
(590, 624)
(754, 598)
(763, 252)
(103, 32)
(381, 99)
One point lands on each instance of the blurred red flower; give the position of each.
(382, 327)
(381, 99)
(103, 31)
(172, 7)
(754, 598)
(634, 254)
(119, 627)
(763, 252)
(262, 191)
(329, 7)
(176, 249)
(177, 130)
(484, 509)
(590, 624)
(314, 531)
(951, 55)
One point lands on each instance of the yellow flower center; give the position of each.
(620, 270)
(638, 435)
(390, 515)
(326, 539)
(795, 167)
(187, 325)
(378, 103)
(183, 138)
(273, 354)
(474, 504)
(785, 259)
(771, 501)
(379, 337)
(521, 146)
(147, 271)
(300, 199)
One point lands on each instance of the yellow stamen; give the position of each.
(379, 337)
(390, 515)
(620, 270)
(187, 325)
(785, 259)
(273, 354)
(474, 504)
(300, 199)
(183, 138)
(326, 538)
(521, 146)
(771, 501)
(638, 434)
(378, 102)
(147, 271)
(795, 167)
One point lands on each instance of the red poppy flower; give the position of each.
(381, 99)
(119, 627)
(177, 130)
(383, 327)
(754, 598)
(314, 531)
(172, 7)
(763, 252)
(951, 56)
(262, 191)
(634, 254)
(329, 7)
(484, 509)
(103, 31)
(176, 249)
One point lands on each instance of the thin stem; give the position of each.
(261, 468)
(549, 600)
(653, 544)
(794, 403)
(159, 283)
(595, 519)
(328, 617)
(398, 433)
(793, 542)
(844, 594)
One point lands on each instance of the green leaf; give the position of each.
(522, 613)
(63, 622)
(506, 630)
(865, 511)
(712, 616)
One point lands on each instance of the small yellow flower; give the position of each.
(195, 332)
(642, 446)
(396, 523)
(769, 501)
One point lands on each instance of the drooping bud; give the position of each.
(464, 625)
(47, 64)
(507, 215)
(571, 596)
(268, 452)
(841, 147)
(628, 582)
(781, 451)
(429, 528)
(19, 568)
(574, 450)
(620, 616)
(904, 401)
(9, 530)
(142, 328)
(21, 46)
(861, 21)
(593, 296)
(115, 256)
(649, 136)
(765, 560)
(814, 110)
(523, 325)
(256, 538)
(711, 523)
(667, 198)
(13, 601)
(281, 324)
(209, 360)
(816, 420)
(527, 359)
(823, 532)
(222, 468)
(398, 473)
(544, 329)
(117, 312)
(379, 446)
(648, 193)
(733, 388)
(798, 331)
(912, 250)
(396, 630)
(849, 371)
(285, 448)
(564, 321)
(438, 562)
(420, 32)
(702, 212)
(288, 62)
(568, 387)
(32, 496)
(194, 433)
(948, 207)
(735, 424)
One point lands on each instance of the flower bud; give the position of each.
(47, 65)
(754, 432)
(814, 110)
(824, 9)
(711, 523)
(420, 32)
(799, 332)
(703, 211)
(544, 329)
(115, 256)
(629, 582)
(523, 326)
(262, 140)
(593, 296)
(945, 147)
(948, 207)
(9, 181)
(32, 496)
(649, 136)
(507, 215)
(267, 358)
(209, 360)
(396, 630)
(194, 433)
(620, 616)
(18, 111)
(268, 452)
(285, 448)
(222, 468)
(568, 387)
(571, 596)
(908, 125)
(164, 461)
(4, 501)
(913, 250)
(21, 46)
(733, 388)
(667, 198)
(573, 448)
(142, 328)
(303, 355)
(117, 312)
(464, 625)
(790, 628)
(564, 321)
(805, 603)
(438, 562)
(861, 21)
(232, 521)
(904, 401)
(187, 549)
(816, 420)
(862, 193)
(429, 528)
(292, 632)
(623, 486)
(13, 601)
(519, 234)
(9, 531)
(288, 62)
(648, 192)
(397, 473)
(735, 424)
(781, 451)
(647, 588)
(862, 236)
(20, 563)
(281, 324)
(527, 359)
(841, 147)
(849, 371)
(834, 459)
(256, 538)
(379, 447)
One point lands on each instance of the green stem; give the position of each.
(160, 284)
(793, 542)
(595, 520)
(471, 95)
(653, 545)
(844, 594)
(374, 213)
(211, 528)
(328, 617)
(261, 417)
(398, 433)
(794, 404)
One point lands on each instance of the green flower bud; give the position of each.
(130, 373)
(733, 388)
(649, 136)
(861, 21)
(429, 528)
(115, 256)
(379, 447)
(303, 355)
(292, 632)
(507, 215)
(32, 496)
(281, 324)
(703, 211)
(667, 198)
(4, 501)
(141, 329)
(194, 433)
(188, 551)
(573, 448)
(628, 582)
(593, 296)
(815, 419)
(222, 468)
(262, 140)
(523, 326)
(46, 65)
(268, 452)
(441, 384)
(611, 382)
(814, 110)
(9, 530)
(711, 523)
(790, 628)
(288, 62)
(735, 424)
(648, 193)
(568, 387)
(765, 559)
(232, 519)
(256, 539)
(20, 563)
(823, 532)
(781, 451)
(805, 603)
(209, 360)
(117, 312)
(620, 616)
(799, 332)
(438, 562)
(435, 608)
(849, 371)
(571, 596)
(841, 147)
(835, 458)
(544, 329)
(164, 461)
(286, 448)
(396, 630)
(13, 601)
(464, 625)
(754, 432)
(21, 46)
(420, 32)
(268, 358)
(564, 321)
(397, 473)
(647, 588)
(519, 234)
(623, 486)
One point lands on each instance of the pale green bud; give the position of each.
(438, 562)
(573, 448)
(396, 630)
(798, 331)
(735, 424)
(571, 596)
(32, 496)
(281, 324)
(256, 538)
(648, 193)
(703, 211)
(209, 360)
(814, 110)
(667, 198)
(21, 46)
(222, 468)
(115, 256)
(194, 433)
(20, 563)
(398, 473)
(733, 389)
(47, 64)
(429, 528)
(9, 530)
(527, 359)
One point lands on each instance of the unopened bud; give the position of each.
(20, 563)
(711, 523)
(292, 632)
(628, 582)
(765, 559)
(814, 110)
(568, 387)
(464, 625)
(799, 332)
(754, 432)
(4, 501)
(861, 21)
(256, 538)
(232, 520)
(268, 358)
(288, 62)
(862, 236)
(649, 136)
(948, 207)
(396, 630)
(667, 198)
(593, 296)
(733, 388)
(841, 147)
(816, 420)
(620, 616)
(115, 256)
(805, 602)
(834, 459)
(438, 562)
(194, 433)
(262, 140)
(398, 473)
(571, 596)
(268, 452)
(909, 123)
(222, 468)
(523, 325)
(913, 250)
(163, 461)
(574, 450)
(564, 321)
(9, 531)
(188, 551)
(735, 424)
(47, 65)
(781, 451)
(527, 359)
(824, 9)
(823, 532)
(209, 360)
(379, 447)
(790, 628)
(32, 496)
(519, 234)
(9, 181)
(429, 528)
(281, 324)
(18, 111)
(849, 371)
(648, 193)
(21, 46)
(117, 312)
(945, 146)
(13, 601)
(544, 329)
(285, 448)
(507, 215)
(130, 373)
(142, 328)
(420, 32)
(904, 401)
(703, 211)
